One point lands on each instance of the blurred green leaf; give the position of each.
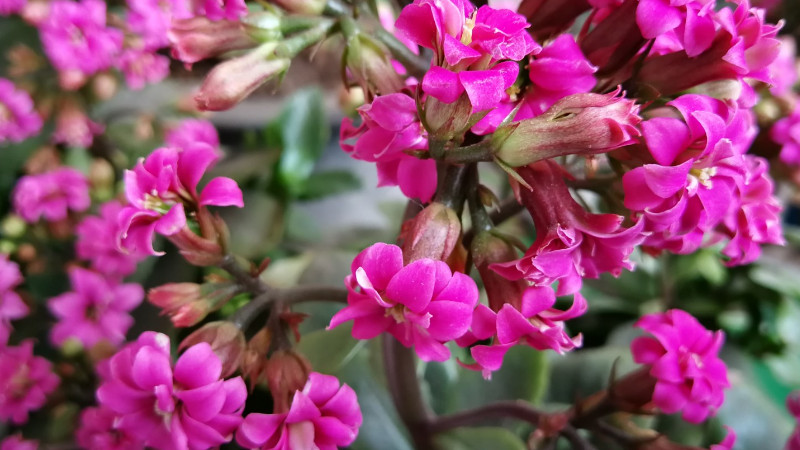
(330, 350)
(778, 277)
(480, 438)
(704, 263)
(78, 158)
(303, 131)
(324, 184)
(584, 372)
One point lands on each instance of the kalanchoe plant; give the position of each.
(587, 182)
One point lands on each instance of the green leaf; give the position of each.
(778, 277)
(325, 184)
(584, 372)
(480, 438)
(304, 133)
(329, 351)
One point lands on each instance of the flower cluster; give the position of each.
(25, 382)
(18, 119)
(51, 195)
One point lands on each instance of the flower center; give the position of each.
(398, 312)
(21, 382)
(466, 30)
(703, 176)
(76, 36)
(155, 203)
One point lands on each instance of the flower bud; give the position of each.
(188, 303)
(433, 233)
(286, 372)
(489, 248)
(447, 121)
(584, 124)
(199, 38)
(308, 7)
(196, 249)
(225, 338)
(368, 64)
(233, 80)
(254, 359)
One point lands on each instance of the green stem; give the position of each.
(415, 64)
(517, 409)
(290, 47)
(482, 151)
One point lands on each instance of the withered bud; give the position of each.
(225, 338)
(186, 304)
(368, 63)
(286, 372)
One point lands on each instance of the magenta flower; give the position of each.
(484, 88)
(323, 415)
(783, 70)
(9, 7)
(11, 305)
(559, 70)
(219, 9)
(529, 320)
(15, 442)
(74, 128)
(571, 243)
(25, 382)
(684, 361)
(162, 185)
(98, 431)
(190, 132)
(786, 133)
(151, 19)
(51, 195)
(142, 67)
(187, 407)
(18, 119)
(76, 39)
(793, 405)
(389, 127)
(423, 305)
(96, 310)
(692, 21)
(97, 243)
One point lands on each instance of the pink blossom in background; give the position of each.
(786, 133)
(95, 310)
(390, 126)
(190, 132)
(98, 431)
(97, 243)
(324, 415)
(423, 305)
(25, 382)
(692, 21)
(11, 305)
(219, 9)
(571, 243)
(151, 19)
(74, 127)
(15, 442)
(185, 406)
(683, 358)
(76, 39)
(559, 70)
(9, 7)
(783, 69)
(160, 186)
(793, 406)
(51, 195)
(18, 119)
(142, 67)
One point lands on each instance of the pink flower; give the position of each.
(323, 415)
(783, 70)
(151, 19)
(11, 305)
(74, 128)
(162, 185)
(25, 382)
(571, 243)
(51, 195)
(9, 7)
(76, 39)
(16, 442)
(96, 310)
(786, 133)
(98, 431)
(683, 356)
(190, 132)
(188, 407)
(142, 67)
(97, 243)
(423, 304)
(692, 19)
(18, 119)
(559, 70)
(219, 9)
(390, 126)
(484, 88)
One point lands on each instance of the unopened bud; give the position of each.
(188, 303)
(225, 338)
(446, 121)
(233, 80)
(199, 38)
(488, 248)
(584, 124)
(286, 372)
(196, 249)
(368, 63)
(254, 359)
(433, 233)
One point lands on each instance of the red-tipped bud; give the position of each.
(254, 359)
(369, 65)
(225, 338)
(196, 249)
(233, 80)
(286, 372)
(186, 304)
(199, 38)
(489, 248)
(446, 121)
(584, 124)
(434, 233)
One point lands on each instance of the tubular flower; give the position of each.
(51, 195)
(683, 359)
(25, 382)
(159, 188)
(571, 243)
(422, 304)
(11, 305)
(323, 415)
(18, 119)
(97, 243)
(389, 127)
(185, 407)
(98, 431)
(96, 310)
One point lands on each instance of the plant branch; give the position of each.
(245, 315)
(311, 293)
(507, 209)
(517, 409)
(247, 280)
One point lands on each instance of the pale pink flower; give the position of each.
(96, 310)
(11, 305)
(683, 358)
(423, 304)
(786, 133)
(98, 431)
(25, 382)
(97, 243)
(74, 127)
(142, 67)
(185, 407)
(51, 195)
(18, 119)
(324, 415)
